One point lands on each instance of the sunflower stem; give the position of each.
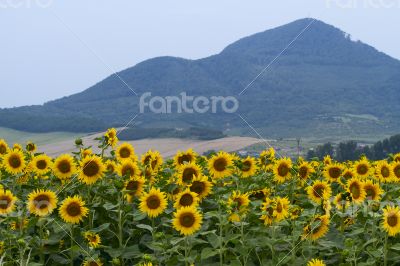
(385, 251)
(71, 252)
(186, 250)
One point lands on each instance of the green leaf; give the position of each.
(131, 252)
(145, 226)
(100, 228)
(395, 247)
(208, 252)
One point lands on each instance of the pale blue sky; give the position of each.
(43, 56)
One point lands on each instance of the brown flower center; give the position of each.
(197, 187)
(318, 190)
(385, 172)
(14, 161)
(41, 164)
(355, 190)
(186, 200)
(185, 159)
(246, 166)
(153, 202)
(362, 169)
(187, 174)
(3, 149)
(127, 170)
(41, 201)
(5, 202)
(392, 220)
(283, 169)
(124, 152)
(335, 172)
(220, 164)
(91, 168)
(74, 209)
(187, 219)
(64, 166)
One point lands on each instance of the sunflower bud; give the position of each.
(116, 261)
(375, 206)
(78, 142)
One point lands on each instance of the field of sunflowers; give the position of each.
(116, 208)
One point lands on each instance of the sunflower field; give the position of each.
(117, 208)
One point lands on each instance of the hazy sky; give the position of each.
(51, 49)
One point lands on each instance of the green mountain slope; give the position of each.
(323, 84)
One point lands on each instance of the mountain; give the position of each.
(324, 84)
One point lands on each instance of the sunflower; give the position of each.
(92, 169)
(14, 162)
(187, 220)
(316, 262)
(64, 166)
(153, 203)
(237, 204)
(19, 224)
(333, 171)
(347, 174)
(201, 186)
(294, 212)
(391, 220)
(318, 191)
(342, 201)
(86, 152)
(248, 167)
(93, 239)
(384, 172)
(30, 146)
(267, 210)
(92, 262)
(282, 169)
(3, 147)
(2, 247)
(17, 147)
(41, 164)
(372, 191)
(304, 171)
(266, 158)
(327, 159)
(42, 202)
(396, 171)
(128, 168)
(281, 208)
(187, 172)
(186, 198)
(396, 157)
(181, 158)
(111, 137)
(260, 194)
(356, 189)
(73, 210)
(125, 151)
(134, 186)
(220, 165)
(152, 159)
(7, 201)
(363, 168)
(111, 166)
(317, 228)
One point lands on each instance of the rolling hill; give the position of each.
(324, 84)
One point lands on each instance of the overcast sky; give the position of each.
(51, 49)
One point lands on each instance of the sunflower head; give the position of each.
(182, 158)
(304, 171)
(92, 169)
(30, 147)
(356, 189)
(42, 202)
(266, 158)
(3, 147)
(93, 239)
(281, 208)
(316, 262)
(41, 164)
(317, 227)
(319, 191)
(282, 170)
(187, 172)
(248, 167)
(372, 190)
(187, 220)
(111, 137)
(220, 165)
(362, 168)
(153, 203)
(7, 201)
(92, 262)
(128, 168)
(125, 151)
(152, 160)
(238, 202)
(14, 161)
(73, 210)
(201, 186)
(186, 198)
(134, 186)
(391, 220)
(384, 172)
(64, 166)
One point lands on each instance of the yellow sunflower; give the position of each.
(20, 223)
(64, 166)
(342, 201)
(92, 262)
(347, 174)
(14, 162)
(282, 169)
(181, 158)
(327, 159)
(128, 168)
(391, 220)
(93, 239)
(281, 208)
(134, 186)
(384, 172)
(318, 191)
(3, 147)
(111, 137)
(111, 166)
(125, 151)
(152, 159)
(238, 204)
(373, 191)
(294, 212)
(396, 157)
(187, 220)
(267, 210)
(201, 186)
(220, 165)
(42, 202)
(41, 164)
(17, 147)
(356, 189)
(153, 203)
(86, 152)
(92, 169)
(73, 210)
(363, 168)
(317, 228)
(7, 201)
(260, 194)
(396, 171)
(304, 171)
(30, 146)
(248, 167)
(186, 198)
(187, 172)
(333, 171)
(266, 158)
(316, 262)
